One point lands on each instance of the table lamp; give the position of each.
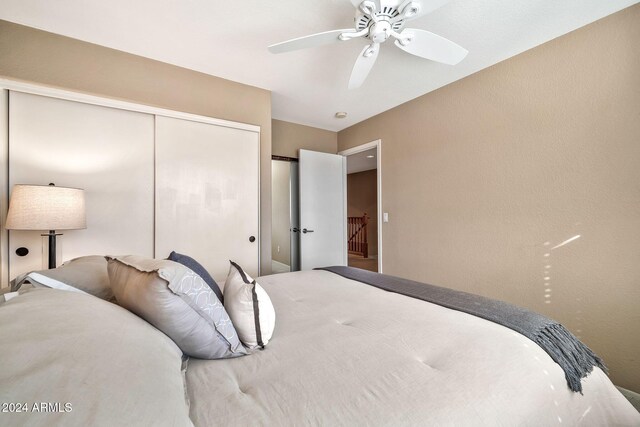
(46, 207)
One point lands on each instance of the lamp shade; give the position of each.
(46, 207)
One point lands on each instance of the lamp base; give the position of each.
(52, 249)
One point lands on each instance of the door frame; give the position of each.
(377, 144)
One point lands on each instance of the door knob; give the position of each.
(252, 239)
(305, 231)
(295, 230)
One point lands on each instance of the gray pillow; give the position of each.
(197, 268)
(102, 364)
(177, 301)
(87, 274)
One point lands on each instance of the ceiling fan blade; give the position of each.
(313, 40)
(363, 65)
(431, 46)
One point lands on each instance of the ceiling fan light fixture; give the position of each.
(341, 115)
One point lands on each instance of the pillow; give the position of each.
(249, 307)
(197, 268)
(177, 301)
(87, 274)
(96, 362)
(7, 295)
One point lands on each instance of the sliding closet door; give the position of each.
(207, 194)
(108, 152)
(4, 195)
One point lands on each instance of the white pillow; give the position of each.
(249, 307)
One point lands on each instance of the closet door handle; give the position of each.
(305, 231)
(252, 239)
(22, 251)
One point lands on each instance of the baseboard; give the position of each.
(279, 267)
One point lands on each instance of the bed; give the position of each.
(343, 353)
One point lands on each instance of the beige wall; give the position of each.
(281, 218)
(362, 197)
(484, 177)
(36, 56)
(288, 138)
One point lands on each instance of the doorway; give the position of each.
(308, 211)
(285, 245)
(364, 216)
(327, 209)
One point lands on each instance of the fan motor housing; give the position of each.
(379, 31)
(385, 15)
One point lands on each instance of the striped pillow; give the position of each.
(249, 308)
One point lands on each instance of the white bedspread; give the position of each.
(345, 353)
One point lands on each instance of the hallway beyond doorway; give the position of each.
(358, 261)
(364, 210)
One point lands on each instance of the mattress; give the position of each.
(343, 353)
(346, 353)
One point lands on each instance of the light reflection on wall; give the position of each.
(547, 271)
(547, 274)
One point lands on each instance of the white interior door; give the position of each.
(323, 218)
(108, 152)
(207, 194)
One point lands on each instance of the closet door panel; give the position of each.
(207, 194)
(106, 151)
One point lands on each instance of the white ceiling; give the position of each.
(229, 39)
(362, 161)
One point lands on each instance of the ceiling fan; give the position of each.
(377, 21)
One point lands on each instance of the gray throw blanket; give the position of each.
(575, 358)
